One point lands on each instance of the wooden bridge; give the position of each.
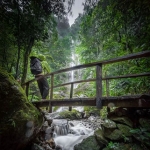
(142, 100)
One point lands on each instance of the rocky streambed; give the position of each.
(124, 129)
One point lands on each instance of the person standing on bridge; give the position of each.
(38, 66)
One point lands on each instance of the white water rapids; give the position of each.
(67, 142)
(69, 133)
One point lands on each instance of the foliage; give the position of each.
(103, 112)
(112, 145)
(23, 23)
(142, 135)
(105, 30)
(108, 30)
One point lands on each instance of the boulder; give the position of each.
(99, 135)
(87, 144)
(74, 114)
(125, 129)
(109, 124)
(123, 120)
(114, 135)
(19, 119)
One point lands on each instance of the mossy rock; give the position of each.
(109, 123)
(16, 113)
(124, 120)
(114, 135)
(69, 114)
(89, 143)
(100, 137)
(125, 129)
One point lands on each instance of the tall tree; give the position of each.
(25, 21)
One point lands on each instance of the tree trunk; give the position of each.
(25, 59)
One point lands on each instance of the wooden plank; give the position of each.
(99, 86)
(128, 57)
(106, 78)
(127, 76)
(74, 82)
(122, 101)
(127, 101)
(67, 102)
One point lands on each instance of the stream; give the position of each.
(66, 133)
(75, 133)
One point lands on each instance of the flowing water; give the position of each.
(69, 133)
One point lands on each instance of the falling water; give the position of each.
(76, 132)
(72, 64)
(61, 127)
(68, 133)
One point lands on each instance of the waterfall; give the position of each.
(71, 65)
(75, 74)
(61, 127)
(69, 134)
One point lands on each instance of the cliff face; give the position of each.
(19, 119)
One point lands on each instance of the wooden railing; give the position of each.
(97, 80)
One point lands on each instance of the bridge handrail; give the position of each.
(114, 60)
(105, 78)
(98, 78)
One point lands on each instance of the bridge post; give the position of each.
(71, 95)
(51, 93)
(107, 86)
(99, 86)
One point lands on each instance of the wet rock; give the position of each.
(124, 120)
(100, 137)
(36, 147)
(114, 135)
(51, 143)
(54, 115)
(70, 115)
(44, 126)
(118, 112)
(89, 143)
(58, 147)
(109, 123)
(125, 129)
(20, 121)
(48, 130)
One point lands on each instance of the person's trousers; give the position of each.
(44, 87)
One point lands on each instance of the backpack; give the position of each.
(35, 66)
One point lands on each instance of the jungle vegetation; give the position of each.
(106, 29)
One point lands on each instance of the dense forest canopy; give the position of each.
(25, 24)
(109, 29)
(106, 29)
